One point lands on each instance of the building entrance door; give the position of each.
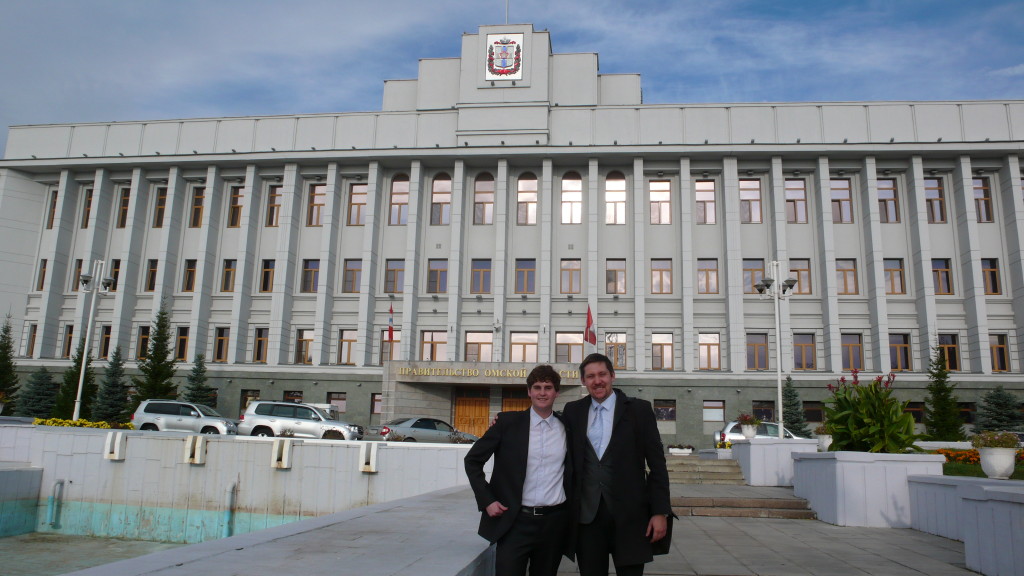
(472, 415)
(514, 404)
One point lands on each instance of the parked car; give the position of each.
(419, 429)
(269, 418)
(180, 416)
(732, 432)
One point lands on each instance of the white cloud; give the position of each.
(1017, 70)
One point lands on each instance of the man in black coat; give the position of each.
(524, 507)
(621, 510)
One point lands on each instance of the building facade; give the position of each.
(420, 259)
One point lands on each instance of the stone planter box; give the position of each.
(861, 488)
(992, 521)
(715, 454)
(680, 451)
(769, 461)
(937, 502)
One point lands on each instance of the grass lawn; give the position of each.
(961, 469)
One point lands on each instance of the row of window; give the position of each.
(571, 201)
(713, 411)
(570, 275)
(524, 347)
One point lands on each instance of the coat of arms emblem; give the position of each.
(504, 57)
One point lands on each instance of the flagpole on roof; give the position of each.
(506, 11)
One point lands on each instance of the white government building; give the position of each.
(496, 198)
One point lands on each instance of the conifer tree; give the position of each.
(942, 420)
(198, 391)
(36, 398)
(8, 369)
(999, 410)
(65, 404)
(156, 379)
(793, 410)
(112, 403)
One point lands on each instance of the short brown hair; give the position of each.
(597, 357)
(544, 373)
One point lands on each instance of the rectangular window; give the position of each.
(437, 276)
(346, 347)
(796, 201)
(1000, 353)
(523, 347)
(899, 352)
(181, 344)
(665, 410)
(615, 349)
(526, 275)
(188, 279)
(990, 272)
(310, 276)
(69, 341)
(572, 199)
(399, 209)
(661, 276)
(661, 352)
(750, 201)
(273, 205)
(888, 201)
(86, 208)
(615, 199)
(267, 276)
(294, 396)
(339, 400)
(709, 352)
(942, 276)
(235, 207)
(315, 203)
(227, 278)
(935, 200)
(352, 276)
(983, 200)
(115, 273)
(30, 350)
(661, 201)
(479, 346)
(842, 201)
(705, 196)
(76, 277)
(195, 219)
(804, 354)
(713, 411)
(222, 337)
(142, 347)
(151, 269)
(247, 396)
(105, 333)
(569, 347)
(615, 276)
(122, 209)
(261, 337)
(853, 352)
(895, 280)
(304, 346)
(441, 201)
(483, 199)
(765, 410)
(389, 348)
(757, 351)
(394, 276)
(800, 268)
(526, 201)
(376, 403)
(753, 273)
(707, 276)
(41, 277)
(357, 205)
(434, 345)
(159, 207)
(571, 276)
(480, 272)
(846, 276)
(949, 344)
(814, 411)
(52, 213)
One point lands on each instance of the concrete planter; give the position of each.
(860, 488)
(998, 462)
(824, 441)
(769, 461)
(748, 431)
(715, 454)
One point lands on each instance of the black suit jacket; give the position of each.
(508, 440)
(635, 446)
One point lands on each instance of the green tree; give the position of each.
(999, 410)
(793, 410)
(198, 391)
(65, 404)
(37, 396)
(156, 370)
(8, 370)
(942, 420)
(112, 403)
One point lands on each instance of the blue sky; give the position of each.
(104, 60)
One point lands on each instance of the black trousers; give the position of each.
(537, 541)
(595, 542)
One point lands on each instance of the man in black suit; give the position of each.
(524, 506)
(621, 509)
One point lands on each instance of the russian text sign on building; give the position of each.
(503, 57)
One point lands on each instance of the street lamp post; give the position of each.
(769, 288)
(87, 279)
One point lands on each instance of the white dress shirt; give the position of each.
(608, 417)
(545, 462)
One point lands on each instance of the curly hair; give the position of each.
(544, 373)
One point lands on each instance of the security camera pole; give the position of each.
(87, 279)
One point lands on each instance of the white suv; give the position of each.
(731, 432)
(268, 418)
(179, 416)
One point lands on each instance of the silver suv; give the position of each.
(268, 418)
(181, 417)
(731, 432)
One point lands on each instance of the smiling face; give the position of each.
(599, 380)
(542, 396)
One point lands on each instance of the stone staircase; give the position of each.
(693, 470)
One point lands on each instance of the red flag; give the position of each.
(590, 333)
(391, 323)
